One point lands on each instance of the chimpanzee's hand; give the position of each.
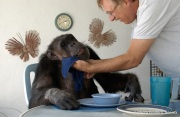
(62, 99)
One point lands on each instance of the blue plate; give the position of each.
(145, 110)
(90, 103)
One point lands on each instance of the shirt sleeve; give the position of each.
(152, 17)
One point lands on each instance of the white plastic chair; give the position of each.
(27, 81)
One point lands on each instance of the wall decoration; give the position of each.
(30, 46)
(97, 38)
(63, 22)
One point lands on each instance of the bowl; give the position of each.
(106, 98)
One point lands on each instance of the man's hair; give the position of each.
(99, 2)
(115, 1)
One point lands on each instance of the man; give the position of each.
(156, 33)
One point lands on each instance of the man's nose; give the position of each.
(111, 17)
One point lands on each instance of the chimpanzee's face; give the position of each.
(67, 45)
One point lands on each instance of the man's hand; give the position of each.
(81, 65)
(86, 66)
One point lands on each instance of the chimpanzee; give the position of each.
(51, 88)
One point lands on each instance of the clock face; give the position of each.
(63, 22)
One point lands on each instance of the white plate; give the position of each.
(145, 110)
(90, 102)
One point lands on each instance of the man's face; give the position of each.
(125, 11)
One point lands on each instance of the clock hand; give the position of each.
(63, 21)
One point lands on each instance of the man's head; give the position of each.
(122, 10)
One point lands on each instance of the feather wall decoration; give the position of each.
(24, 49)
(97, 38)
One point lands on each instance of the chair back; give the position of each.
(27, 81)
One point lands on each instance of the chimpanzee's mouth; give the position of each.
(81, 51)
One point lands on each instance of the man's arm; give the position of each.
(132, 58)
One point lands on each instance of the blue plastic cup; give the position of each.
(160, 90)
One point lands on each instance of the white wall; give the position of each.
(23, 15)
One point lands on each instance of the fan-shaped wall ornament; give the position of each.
(97, 38)
(24, 49)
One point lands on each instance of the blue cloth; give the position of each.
(77, 75)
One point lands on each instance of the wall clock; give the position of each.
(63, 22)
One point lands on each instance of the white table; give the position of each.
(48, 111)
(9, 112)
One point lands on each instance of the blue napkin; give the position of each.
(77, 75)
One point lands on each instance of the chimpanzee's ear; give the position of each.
(51, 55)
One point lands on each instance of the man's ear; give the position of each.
(51, 55)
